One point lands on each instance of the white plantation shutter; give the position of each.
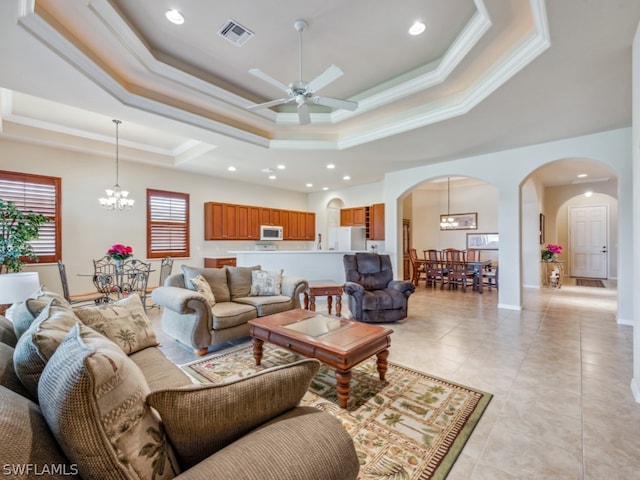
(41, 195)
(167, 224)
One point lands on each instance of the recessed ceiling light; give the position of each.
(231, 168)
(309, 185)
(582, 175)
(588, 193)
(417, 28)
(272, 177)
(281, 167)
(174, 16)
(331, 165)
(325, 188)
(346, 177)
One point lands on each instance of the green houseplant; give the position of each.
(17, 229)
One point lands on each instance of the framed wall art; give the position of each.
(483, 241)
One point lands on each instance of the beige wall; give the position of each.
(88, 230)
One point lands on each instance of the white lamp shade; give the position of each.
(16, 287)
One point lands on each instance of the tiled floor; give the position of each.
(559, 370)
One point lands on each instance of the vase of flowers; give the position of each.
(120, 253)
(549, 254)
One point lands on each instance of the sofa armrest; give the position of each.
(180, 300)
(293, 287)
(290, 285)
(405, 287)
(304, 443)
(354, 289)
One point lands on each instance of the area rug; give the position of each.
(589, 282)
(412, 426)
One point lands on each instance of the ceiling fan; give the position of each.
(301, 92)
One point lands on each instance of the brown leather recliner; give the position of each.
(374, 296)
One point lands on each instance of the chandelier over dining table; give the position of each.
(117, 199)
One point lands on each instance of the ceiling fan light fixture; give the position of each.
(302, 92)
(174, 16)
(417, 28)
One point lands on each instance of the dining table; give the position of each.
(478, 267)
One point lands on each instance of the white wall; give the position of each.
(88, 230)
(634, 281)
(507, 171)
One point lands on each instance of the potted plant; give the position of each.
(549, 254)
(17, 229)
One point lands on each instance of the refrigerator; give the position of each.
(347, 239)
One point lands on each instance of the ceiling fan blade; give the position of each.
(325, 78)
(269, 79)
(303, 114)
(336, 103)
(272, 103)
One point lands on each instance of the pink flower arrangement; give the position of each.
(551, 251)
(120, 252)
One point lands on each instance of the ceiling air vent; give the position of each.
(235, 33)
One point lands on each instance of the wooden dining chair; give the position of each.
(457, 269)
(417, 267)
(435, 269)
(490, 277)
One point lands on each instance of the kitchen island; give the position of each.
(309, 264)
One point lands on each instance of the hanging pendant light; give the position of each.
(447, 221)
(117, 199)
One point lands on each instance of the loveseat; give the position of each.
(86, 393)
(200, 318)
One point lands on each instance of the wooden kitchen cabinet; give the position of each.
(220, 221)
(220, 262)
(226, 221)
(353, 217)
(376, 222)
(370, 217)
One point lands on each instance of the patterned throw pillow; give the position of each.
(202, 286)
(92, 396)
(265, 283)
(202, 419)
(124, 322)
(38, 344)
(217, 278)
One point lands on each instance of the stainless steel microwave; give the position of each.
(271, 232)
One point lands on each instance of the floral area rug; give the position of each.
(411, 426)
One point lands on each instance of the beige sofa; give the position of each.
(192, 320)
(85, 393)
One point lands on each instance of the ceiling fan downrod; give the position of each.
(300, 26)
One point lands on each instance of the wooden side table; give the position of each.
(323, 288)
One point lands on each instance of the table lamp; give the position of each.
(17, 287)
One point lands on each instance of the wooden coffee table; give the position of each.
(342, 344)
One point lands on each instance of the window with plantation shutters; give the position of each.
(41, 195)
(167, 224)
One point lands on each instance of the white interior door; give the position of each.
(588, 227)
